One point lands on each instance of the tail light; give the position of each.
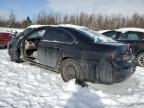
(128, 55)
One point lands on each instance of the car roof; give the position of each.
(35, 26)
(123, 30)
(71, 26)
(76, 27)
(103, 31)
(38, 26)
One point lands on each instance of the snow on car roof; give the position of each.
(103, 31)
(71, 26)
(37, 26)
(59, 25)
(123, 30)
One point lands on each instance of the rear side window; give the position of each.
(66, 37)
(81, 37)
(55, 34)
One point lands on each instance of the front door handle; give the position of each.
(58, 48)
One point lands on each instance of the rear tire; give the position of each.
(70, 69)
(140, 59)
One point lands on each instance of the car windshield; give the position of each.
(96, 36)
(25, 32)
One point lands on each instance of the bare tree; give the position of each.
(89, 20)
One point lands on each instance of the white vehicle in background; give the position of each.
(133, 36)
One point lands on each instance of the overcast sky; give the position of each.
(31, 8)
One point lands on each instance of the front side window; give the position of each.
(53, 34)
(57, 35)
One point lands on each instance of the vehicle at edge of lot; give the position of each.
(76, 52)
(5, 37)
(14, 32)
(133, 36)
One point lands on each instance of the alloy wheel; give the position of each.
(141, 60)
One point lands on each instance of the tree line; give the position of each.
(95, 21)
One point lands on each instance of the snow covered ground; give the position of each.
(27, 86)
(4, 29)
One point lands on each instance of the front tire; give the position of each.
(14, 55)
(140, 59)
(70, 69)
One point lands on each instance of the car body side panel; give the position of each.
(49, 53)
(89, 58)
(94, 58)
(94, 71)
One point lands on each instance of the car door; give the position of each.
(132, 38)
(51, 46)
(30, 43)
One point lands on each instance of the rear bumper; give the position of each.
(124, 70)
(107, 72)
(123, 74)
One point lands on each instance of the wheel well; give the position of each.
(64, 58)
(67, 58)
(139, 53)
(18, 52)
